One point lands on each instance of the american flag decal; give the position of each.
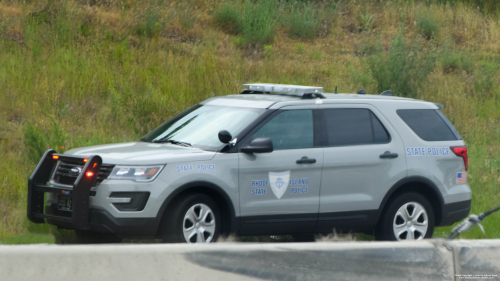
(462, 177)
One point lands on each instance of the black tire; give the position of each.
(91, 237)
(389, 223)
(177, 219)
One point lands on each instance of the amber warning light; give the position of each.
(55, 157)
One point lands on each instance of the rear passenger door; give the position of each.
(363, 157)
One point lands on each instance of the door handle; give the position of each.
(388, 154)
(305, 160)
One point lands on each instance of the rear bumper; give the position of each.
(454, 212)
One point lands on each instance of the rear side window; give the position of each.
(429, 124)
(353, 126)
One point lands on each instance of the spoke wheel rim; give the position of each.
(410, 222)
(198, 225)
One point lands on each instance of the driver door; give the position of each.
(279, 191)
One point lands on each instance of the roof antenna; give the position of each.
(335, 89)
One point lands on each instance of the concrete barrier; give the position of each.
(476, 259)
(424, 260)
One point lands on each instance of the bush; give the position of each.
(150, 25)
(428, 26)
(452, 61)
(402, 69)
(304, 20)
(254, 20)
(227, 18)
(259, 20)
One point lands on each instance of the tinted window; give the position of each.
(289, 129)
(353, 126)
(429, 124)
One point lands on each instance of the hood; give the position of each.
(142, 153)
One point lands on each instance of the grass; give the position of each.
(29, 239)
(428, 26)
(74, 75)
(403, 68)
(304, 20)
(255, 21)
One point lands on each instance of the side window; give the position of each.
(353, 126)
(289, 129)
(429, 124)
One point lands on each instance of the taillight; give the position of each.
(462, 152)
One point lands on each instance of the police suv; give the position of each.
(273, 160)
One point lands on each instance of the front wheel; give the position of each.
(194, 219)
(408, 217)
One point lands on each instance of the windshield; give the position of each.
(199, 126)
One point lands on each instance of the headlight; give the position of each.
(135, 173)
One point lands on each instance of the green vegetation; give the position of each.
(304, 20)
(79, 73)
(29, 239)
(227, 16)
(149, 25)
(254, 20)
(455, 61)
(428, 26)
(365, 21)
(403, 68)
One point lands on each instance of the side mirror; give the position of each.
(225, 136)
(261, 145)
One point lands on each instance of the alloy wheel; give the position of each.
(410, 222)
(199, 224)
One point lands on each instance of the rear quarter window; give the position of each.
(429, 124)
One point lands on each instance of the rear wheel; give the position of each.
(194, 219)
(408, 217)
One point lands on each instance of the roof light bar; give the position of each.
(293, 90)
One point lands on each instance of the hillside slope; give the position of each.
(78, 73)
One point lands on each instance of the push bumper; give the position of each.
(454, 212)
(79, 193)
(81, 217)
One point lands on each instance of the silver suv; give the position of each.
(273, 160)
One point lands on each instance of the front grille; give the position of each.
(63, 175)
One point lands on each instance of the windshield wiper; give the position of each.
(172, 142)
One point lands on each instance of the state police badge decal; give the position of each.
(279, 182)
